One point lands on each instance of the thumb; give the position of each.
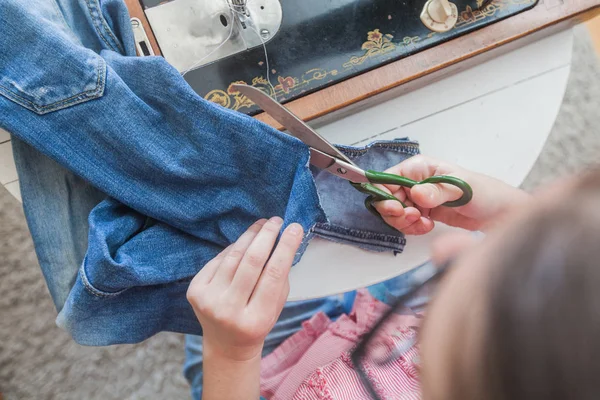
(431, 195)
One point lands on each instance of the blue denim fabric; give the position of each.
(135, 130)
(130, 267)
(156, 147)
(56, 201)
(182, 173)
(57, 204)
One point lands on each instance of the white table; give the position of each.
(493, 118)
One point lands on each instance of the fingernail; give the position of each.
(276, 221)
(411, 218)
(295, 229)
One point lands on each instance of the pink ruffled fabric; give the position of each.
(315, 362)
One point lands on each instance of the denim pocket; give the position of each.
(46, 69)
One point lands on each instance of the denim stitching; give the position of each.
(357, 233)
(62, 17)
(96, 15)
(93, 290)
(408, 147)
(70, 101)
(108, 30)
(310, 233)
(377, 247)
(384, 241)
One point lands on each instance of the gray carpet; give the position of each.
(39, 361)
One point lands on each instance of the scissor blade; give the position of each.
(334, 165)
(295, 126)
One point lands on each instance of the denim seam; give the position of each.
(365, 237)
(70, 101)
(411, 148)
(97, 16)
(93, 290)
(316, 196)
(62, 17)
(357, 232)
(307, 238)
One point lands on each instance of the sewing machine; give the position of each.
(344, 50)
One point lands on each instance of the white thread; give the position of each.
(233, 14)
(232, 17)
(267, 61)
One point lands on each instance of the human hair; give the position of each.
(541, 329)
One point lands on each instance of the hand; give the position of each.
(239, 295)
(424, 202)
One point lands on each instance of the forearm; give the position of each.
(230, 379)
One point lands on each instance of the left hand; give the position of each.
(239, 295)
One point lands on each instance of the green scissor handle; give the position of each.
(376, 194)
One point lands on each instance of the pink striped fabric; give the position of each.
(314, 363)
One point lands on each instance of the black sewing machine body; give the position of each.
(321, 42)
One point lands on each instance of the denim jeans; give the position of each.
(134, 130)
(143, 283)
(168, 179)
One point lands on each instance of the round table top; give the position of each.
(493, 118)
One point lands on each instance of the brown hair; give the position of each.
(542, 331)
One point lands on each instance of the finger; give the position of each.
(400, 193)
(422, 226)
(410, 216)
(275, 275)
(431, 195)
(389, 208)
(205, 275)
(254, 260)
(396, 208)
(231, 261)
(416, 168)
(200, 282)
(450, 217)
(283, 296)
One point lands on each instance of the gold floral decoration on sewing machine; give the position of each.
(468, 16)
(286, 84)
(377, 44)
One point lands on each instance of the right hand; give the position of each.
(424, 202)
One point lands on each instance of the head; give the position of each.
(517, 317)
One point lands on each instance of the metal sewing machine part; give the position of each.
(439, 15)
(193, 33)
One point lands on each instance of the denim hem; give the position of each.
(403, 145)
(91, 288)
(364, 239)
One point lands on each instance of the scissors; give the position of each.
(325, 155)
